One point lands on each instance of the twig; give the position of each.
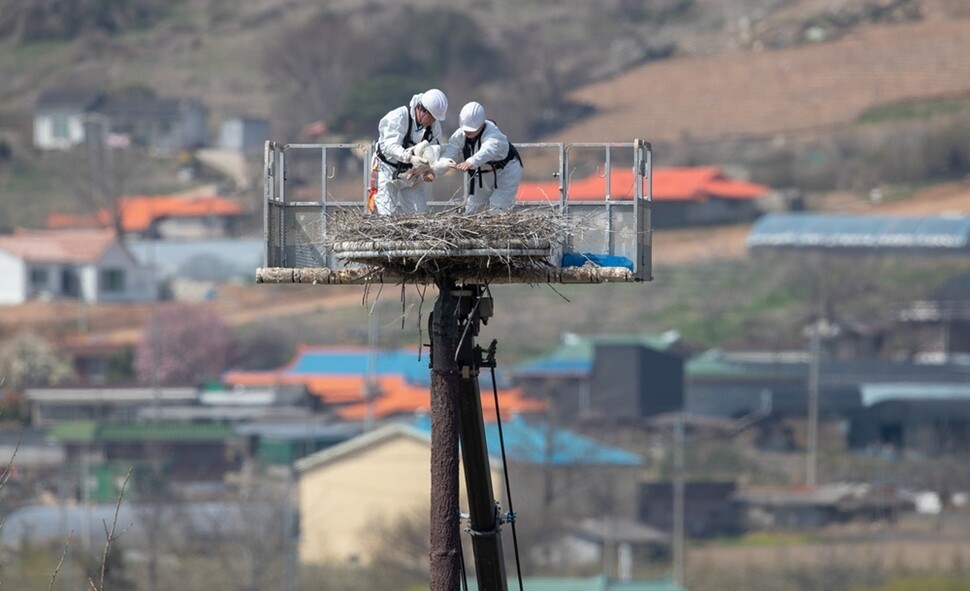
(57, 568)
(109, 535)
(431, 246)
(7, 472)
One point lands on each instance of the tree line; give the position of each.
(44, 20)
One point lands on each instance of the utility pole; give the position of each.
(456, 415)
(445, 548)
(812, 427)
(290, 559)
(678, 490)
(372, 387)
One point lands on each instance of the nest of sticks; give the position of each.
(454, 244)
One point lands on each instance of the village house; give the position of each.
(165, 217)
(358, 384)
(243, 134)
(89, 265)
(64, 118)
(171, 217)
(380, 482)
(608, 377)
(60, 116)
(682, 196)
(197, 236)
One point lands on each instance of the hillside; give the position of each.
(691, 76)
(803, 90)
(740, 69)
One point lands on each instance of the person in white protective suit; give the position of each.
(493, 164)
(409, 139)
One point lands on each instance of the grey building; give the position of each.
(619, 377)
(244, 134)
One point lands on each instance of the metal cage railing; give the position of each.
(606, 185)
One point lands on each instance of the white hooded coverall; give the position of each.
(497, 189)
(395, 194)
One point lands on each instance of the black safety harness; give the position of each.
(400, 167)
(471, 146)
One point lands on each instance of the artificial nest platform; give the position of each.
(517, 246)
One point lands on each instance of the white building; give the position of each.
(90, 265)
(60, 117)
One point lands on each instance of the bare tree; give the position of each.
(315, 65)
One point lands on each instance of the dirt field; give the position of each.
(917, 542)
(762, 94)
(123, 323)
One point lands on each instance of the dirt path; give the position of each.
(123, 323)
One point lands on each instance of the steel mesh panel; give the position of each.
(274, 252)
(305, 244)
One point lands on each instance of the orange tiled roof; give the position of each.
(398, 396)
(669, 184)
(138, 212)
(731, 189)
(58, 246)
(58, 221)
(683, 183)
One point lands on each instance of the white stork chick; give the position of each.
(424, 157)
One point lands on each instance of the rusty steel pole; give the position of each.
(456, 416)
(445, 549)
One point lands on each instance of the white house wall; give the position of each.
(87, 276)
(44, 131)
(13, 279)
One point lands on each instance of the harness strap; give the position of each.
(407, 142)
(472, 145)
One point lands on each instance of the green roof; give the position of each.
(575, 356)
(74, 430)
(711, 364)
(91, 431)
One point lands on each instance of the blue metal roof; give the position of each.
(532, 442)
(816, 230)
(353, 362)
(357, 362)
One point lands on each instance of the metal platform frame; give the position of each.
(295, 231)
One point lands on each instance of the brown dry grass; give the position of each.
(923, 555)
(914, 542)
(805, 89)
